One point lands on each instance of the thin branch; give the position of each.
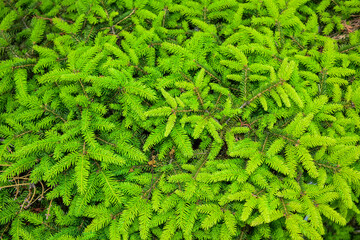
(212, 75)
(23, 66)
(335, 169)
(32, 197)
(48, 211)
(297, 42)
(285, 209)
(133, 11)
(17, 136)
(112, 144)
(198, 170)
(53, 112)
(140, 69)
(263, 148)
(84, 148)
(349, 49)
(163, 21)
(88, 36)
(195, 89)
(15, 185)
(85, 93)
(217, 101)
(152, 187)
(261, 93)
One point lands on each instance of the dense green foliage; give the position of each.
(178, 119)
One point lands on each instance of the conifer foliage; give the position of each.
(179, 119)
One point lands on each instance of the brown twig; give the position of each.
(263, 148)
(151, 187)
(297, 42)
(112, 144)
(285, 209)
(261, 93)
(22, 66)
(198, 170)
(140, 69)
(336, 169)
(53, 112)
(85, 93)
(196, 90)
(32, 197)
(15, 185)
(212, 75)
(16, 136)
(87, 38)
(48, 211)
(163, 21)
(133, 11)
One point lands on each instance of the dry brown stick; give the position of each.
(337, 168)
(349, 49)
(17, 188)
(140, 69)
(41, 195)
